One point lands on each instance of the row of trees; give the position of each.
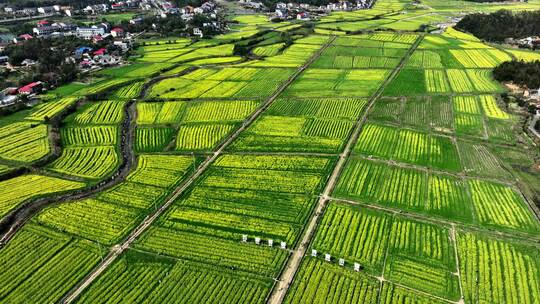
(502, 24)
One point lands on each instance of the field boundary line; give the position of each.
(519, 236)
(293, 264)
(381, 279)
(118, 249)
(458, 270)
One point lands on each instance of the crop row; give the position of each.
(201, 136)
(89, 136)
(443, 196)
(102, 112)
(256, 195)
(498, 271)
(320, 282)
(409, 146)
(355, 62)
(24, 142)
(164, 280)
(421, 113)
(480, 58)
(292, 57)
(49, 109)
(329, 108)
(428, 81)
(316, 83)
(18, 189)
(41, 265)
(268, 50)
(130, 91)
(217, 86)
(417, 255)
(152, 139)
(282, 133)
(88, 162)
(110, 215)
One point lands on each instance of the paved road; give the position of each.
(41, 16)
(287, 276)
(118, 249)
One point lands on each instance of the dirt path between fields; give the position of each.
(287, 276)
(11, 223)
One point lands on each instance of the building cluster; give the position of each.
(88, 58)
(35, 11)
(95, 32)
(288, 11)
(532, 42)
(95, 9)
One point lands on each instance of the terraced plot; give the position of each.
(318, 125)
(498, 271)
(199, 125)
(102, 112)
(162, 279)
(272, 204)
(223, 83)
(408, 146)
(88, 162)
(24, 142)
(320, 282)
(55, 263)
(413, 254)
(109, 216)
(337, 83)
(19, 189)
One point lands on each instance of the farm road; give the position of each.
(287, 276)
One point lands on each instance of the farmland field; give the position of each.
(365, 156)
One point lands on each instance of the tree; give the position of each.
(502, 24)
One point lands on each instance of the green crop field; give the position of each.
(365, 156)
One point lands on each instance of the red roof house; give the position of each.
(43, 23)
(117, 32)
(100, 52)
(97, 38)
(25, 36)
(30, 88)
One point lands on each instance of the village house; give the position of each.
(117, 32)
(49, 9)
(31, 88)
(91, 32)
(96, 9)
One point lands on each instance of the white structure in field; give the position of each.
(257, 240)
(270, 242)
(313, 253)
(341, 262)
(327, 257)
(244, 238)
(356, 267)
(283, 245)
